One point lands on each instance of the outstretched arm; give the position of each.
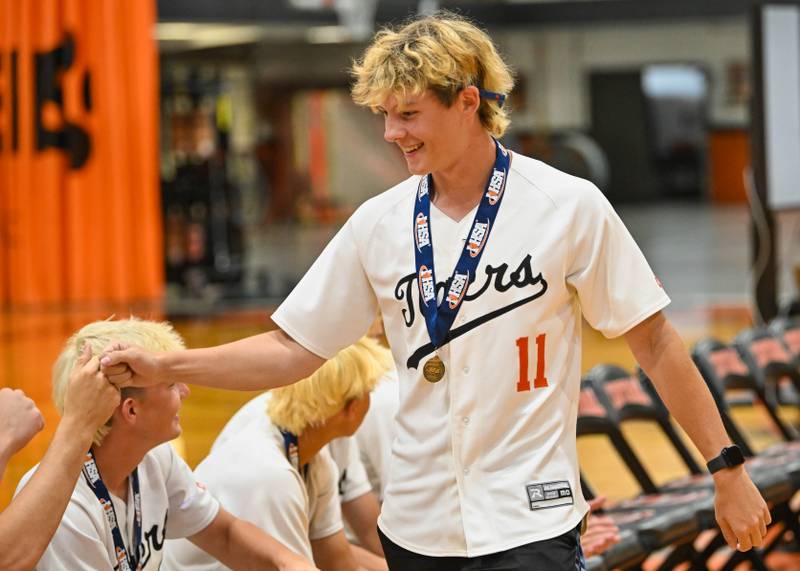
(89, 403)
(741, 512)
(263, 361)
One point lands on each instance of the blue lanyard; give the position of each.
(439, 318)
(126, 561)
(292, 449)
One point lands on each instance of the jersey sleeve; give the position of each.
(191, 507)
(353, 481)
(334, 303)
(269, 497)
(327, 518)
(616, 287)
(76, 544)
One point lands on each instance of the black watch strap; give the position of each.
(729, 457)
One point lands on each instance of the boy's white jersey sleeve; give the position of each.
(327, 517)
(334, 303)
(191, 507)
(616, 287)
(76, 544)
(353, 481)
(270, 507)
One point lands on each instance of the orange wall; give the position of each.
(729, 157)
(80, 215)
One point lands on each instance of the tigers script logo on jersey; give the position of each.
(477, 238)
(496, 186)
(458, 287)
(423, 234)
(427, 288)
(502, 278)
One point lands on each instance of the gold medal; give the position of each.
(433, 371)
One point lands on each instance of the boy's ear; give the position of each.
(470, 99)
(128, 410)
(349, 407)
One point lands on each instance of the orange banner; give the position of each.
(80, 214)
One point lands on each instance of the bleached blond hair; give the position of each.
(349, 375)
(443, 52)
(149, 335)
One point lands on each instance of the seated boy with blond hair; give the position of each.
(134, 491)
(270, 465)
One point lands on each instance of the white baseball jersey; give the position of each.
(375, 435)
(352, 481)
(485, 460)
(248, 472)
(173, 505)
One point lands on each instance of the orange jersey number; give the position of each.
(523, 384)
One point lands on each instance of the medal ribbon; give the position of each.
(126, 561)
(439, 318)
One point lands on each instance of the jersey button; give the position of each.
(466, 370)
(466, 471)
(465, 420)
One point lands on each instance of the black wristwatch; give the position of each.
(729, 457)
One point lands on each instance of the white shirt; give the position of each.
(475, 460)
(248, 472)
(352, 477)
(375, 435)
(173, 505)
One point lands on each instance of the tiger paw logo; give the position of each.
(427, 288)
(477, 238)
(495, 190)
(457, 290)
(422, 234)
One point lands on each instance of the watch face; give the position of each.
(733, 456)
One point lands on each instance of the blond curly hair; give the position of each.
(148, 335)
(350, 374)
(443, 52)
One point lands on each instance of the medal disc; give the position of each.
(433, 371)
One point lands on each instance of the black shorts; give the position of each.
(562, 553)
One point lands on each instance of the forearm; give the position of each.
(682, 389)
(368, 561)
(263, 361)
(5, 456)
(249, 548)
(41, 503)
(362, 515)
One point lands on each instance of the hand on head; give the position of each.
(20, 420)
(127, 365)
(90, 398)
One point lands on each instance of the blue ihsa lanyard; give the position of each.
(439, 318)
(292, 449)
(126, 561)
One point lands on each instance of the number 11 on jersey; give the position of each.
(523, 384)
